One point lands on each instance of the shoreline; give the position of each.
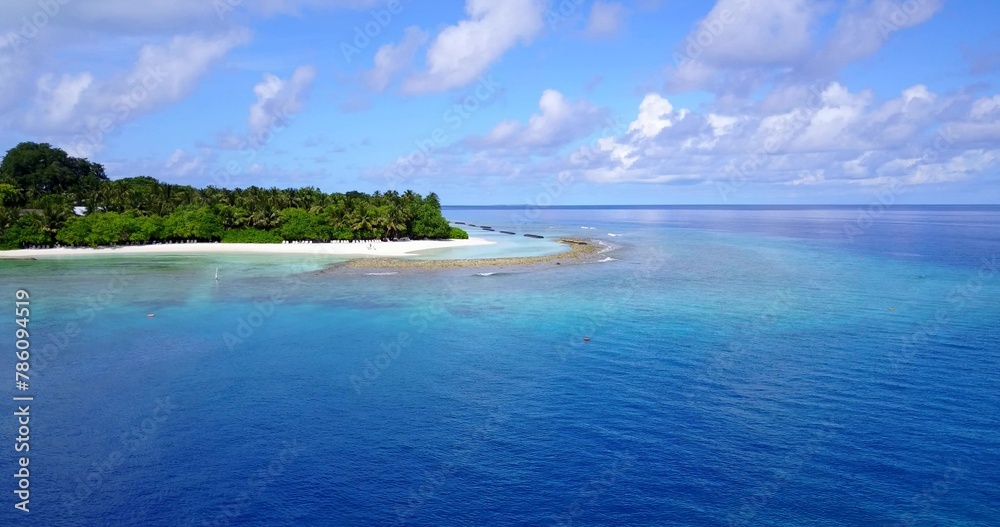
(386, 249)
(581, 251)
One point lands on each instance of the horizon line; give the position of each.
(571, 206)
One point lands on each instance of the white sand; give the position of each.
(380, 249)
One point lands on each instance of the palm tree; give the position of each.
(362, 221)
(54, 216)
(8, 215)
(266, 217)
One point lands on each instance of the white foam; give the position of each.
(381, 274)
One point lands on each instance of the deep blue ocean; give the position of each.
(758, 366)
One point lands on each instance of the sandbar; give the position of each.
(370, 249)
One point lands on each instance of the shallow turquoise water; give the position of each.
(744, 368)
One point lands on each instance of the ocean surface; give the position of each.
(746, 366)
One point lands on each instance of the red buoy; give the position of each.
(586, 339)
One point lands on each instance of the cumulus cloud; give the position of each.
(819, 138)
(277, 99)
(981, 124)
(741, 45)
(82, 104)
(57, 99)
(459, 54)
(654, 115)
(606, 19)
(558, 122)
(854, 137)
(176, 68)
(177, 43)
(864, 27)
(391, 59)
(182, 164)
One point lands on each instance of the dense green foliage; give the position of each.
(25, 230)
(458, 234)
(250, 236)
(40, 185)
(38, 169)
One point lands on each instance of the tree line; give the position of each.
(40, 186)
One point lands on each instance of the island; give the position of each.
(50, 199)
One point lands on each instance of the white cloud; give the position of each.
(461, 53)
(816, 142)
(161, 75)
(822, 142)
(759, 33)
(171, 72)
(957, 168)
(741, 45)
(57, 100)
(829, 126)
(182, 164)
(558, 122)
(654, 115)
(391, 59)
(986, 108)
(177, 42)
(808, 177)
(276, 100)
(606, 19)
(721, 124)
(982, 123)
(853, 137)
(864, 27)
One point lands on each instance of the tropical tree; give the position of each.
(38, 169)
(26, 230)
(298, 224)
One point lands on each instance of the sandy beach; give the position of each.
(580, 251)
(379, 249)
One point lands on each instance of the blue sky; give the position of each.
(521, 101)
